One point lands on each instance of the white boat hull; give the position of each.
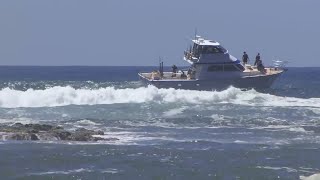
(247, 82)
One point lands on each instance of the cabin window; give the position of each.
(222, 49)
(226, 67)
(196, 50)
(212, 49)
(230, 68)
(240, 67)
(215, 68)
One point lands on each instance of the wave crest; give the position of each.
(62, 96)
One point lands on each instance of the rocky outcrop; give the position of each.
(36, 132)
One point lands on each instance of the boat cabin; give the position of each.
(208, 56)
(205, 50)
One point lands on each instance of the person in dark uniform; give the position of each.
(174, 70)
(245, 58)
(259, 64)
(183, 75)
(257, 59)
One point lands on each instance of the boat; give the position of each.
(212, 67)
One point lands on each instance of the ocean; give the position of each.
(162, 133)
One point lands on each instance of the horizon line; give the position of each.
(121, 66)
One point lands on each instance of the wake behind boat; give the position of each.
(212, 67)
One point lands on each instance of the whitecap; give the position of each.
(110, 171)
(22, 120)
(218, 117)
(174, 112)
(312, 177)
(288, 169)
(62, 96)
(63, 172)
(297, 129)
(240, 142)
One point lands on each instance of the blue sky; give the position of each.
(118, 32)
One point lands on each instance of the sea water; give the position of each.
(163, 133)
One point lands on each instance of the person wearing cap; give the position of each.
(257, 59)
(174, 70)
(245, 58)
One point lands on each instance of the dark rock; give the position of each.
(98, 139)
(36, 132)
(80, 137)
(99, 132)
(61, 134)
(84, 130)
(39, 127)
(4, 128)
(34, 137)
(17, 125)
(33, 131)
(57, 127)
(18, 136)
(22, 136)
(83, 134)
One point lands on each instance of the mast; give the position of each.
(161, 67)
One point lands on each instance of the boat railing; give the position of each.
(155, 75)
(190, 56)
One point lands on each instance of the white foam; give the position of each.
(64, 115)
(174, 112)
(315, 110)
(87, 122)
(288, 169)
(312, 177)
(20, 120)
(110, 171)
(62, 96)
(63, 172)
(218, 117)
(297, 129)
(240, 142)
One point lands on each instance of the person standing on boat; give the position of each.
(245, 58)
(258, 59)
(259, 64)
(174, 70)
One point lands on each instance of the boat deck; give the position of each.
(166, 76)
(250, 71)
(253, 71)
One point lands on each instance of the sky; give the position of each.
(137, 33)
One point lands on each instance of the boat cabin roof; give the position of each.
(205, 42)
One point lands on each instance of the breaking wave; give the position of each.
(62, 96)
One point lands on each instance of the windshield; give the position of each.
(212, 49)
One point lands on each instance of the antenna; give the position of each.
(160, 66)
(195, 34)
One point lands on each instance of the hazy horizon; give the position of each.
(137, 33)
